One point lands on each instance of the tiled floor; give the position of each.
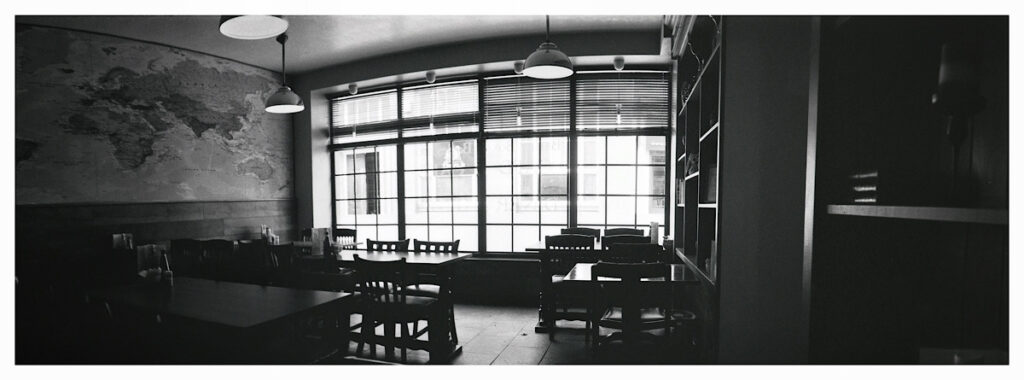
(503, 335)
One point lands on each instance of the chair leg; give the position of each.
(451, 320)
(389, 345)
(405, 340)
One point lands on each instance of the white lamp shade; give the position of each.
(254, 27)
(285, 101)
(548, 63)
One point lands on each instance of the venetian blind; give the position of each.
(439, 109)
(622, 101)
(516, 104)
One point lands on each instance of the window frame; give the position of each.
(481, 136)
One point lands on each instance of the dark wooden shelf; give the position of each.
(693, 266)
(700, 77)
(710, 130)
(938, 214)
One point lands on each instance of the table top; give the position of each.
(227, 303)
(423, 258)
(677, 273)
(309, 244)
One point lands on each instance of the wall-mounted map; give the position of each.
(104, 119)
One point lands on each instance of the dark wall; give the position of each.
(884, 290)
(761, 202)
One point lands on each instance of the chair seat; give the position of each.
(423, 290)
(415, 308)
(614, 314)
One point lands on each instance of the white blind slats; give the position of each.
(622, 102)
(513, 104)
(368, 109)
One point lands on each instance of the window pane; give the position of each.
(415, 156)
(554, 151)
(464, 210)
(440, 155)
(650, 209)
(416, 210)
(387, 156)
(440, 210)
(590, 150)
(549, 231)
(359, 181)
(499, 238)
(499, 181)
(623, 150)
(621, 210)
(467, 237)
(499, 210)
(343, 162)
(365, 160)
(590, 210)
(345, 212)
(525, 151)
(652, 150)
(387, 233)
(499, 152)
(440, 233)
(388, 184)
(366, 211)
(554, 180)
(416, 232)
(650, 180)
(440, 182)
(622, 180)
(524, 236)
(590, 180)
(366, 232)
(463, 154)
(464, 182)
(526, 180)
(343, 187)
(554, 210)
(415, 184)
(388, 211)
(525, 210)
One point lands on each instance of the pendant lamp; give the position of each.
(284, 100)
(548, 62)
(253, 27)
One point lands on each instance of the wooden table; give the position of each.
(238, 310)
(677, 273)
(444, 343)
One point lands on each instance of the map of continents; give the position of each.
(104, 119)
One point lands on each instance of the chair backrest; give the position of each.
(348, 235)
(381, 282)
(218, 255)
(562, 252)
(623, 231)
(186, 256)
(634, 253)
(435, 246)
(596, 233)
(631, 292)
(305, 234)
(255, 261)
(387, 246)
(568, 242)
(611, 240)
(149, 256)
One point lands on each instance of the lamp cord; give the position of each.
(547, 28)
(284, 77)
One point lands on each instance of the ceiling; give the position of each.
(316, 42)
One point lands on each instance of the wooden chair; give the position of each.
(630, 305)
(186, 256)
(633, 253)
(218, 257)
(560, 254)
(383, 295)
(596, 233)
(623, 231)
(431, 285)
(254, 262)
(387, 246)
(346, 235)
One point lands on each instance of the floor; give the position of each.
(503, 335)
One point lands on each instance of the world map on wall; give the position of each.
(104, 119)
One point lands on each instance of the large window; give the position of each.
(419, 162)
(527, 191)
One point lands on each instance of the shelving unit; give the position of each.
(698, 125)
(937, 214)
